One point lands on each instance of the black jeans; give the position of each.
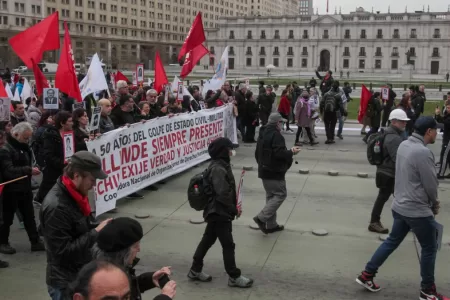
(386, 112)
(223, 231)
(308, 132)
(330, 120)
(24, 203)
(249, 133)
(385, 184)
(444, 159)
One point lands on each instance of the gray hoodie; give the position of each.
(416, 181)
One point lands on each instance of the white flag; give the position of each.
(94, 80)
(219, 77)
(8, 91)
(175, 83)
(27, 92)
(16, 95)
(149, 82)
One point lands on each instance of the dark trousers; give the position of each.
(264, 116)
(24, 203)
(385, 185)
(46, 185)
(287, 118)
(250, 133)
(386, 112)
(330, 120)
(223, 231)
(240, 125)
(308, 132)
(444, 159)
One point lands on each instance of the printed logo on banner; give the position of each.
(95, 119)
(144, 153)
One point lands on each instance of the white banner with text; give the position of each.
(140, 155)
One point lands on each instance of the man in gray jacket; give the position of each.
(385, 176)
(414, 207)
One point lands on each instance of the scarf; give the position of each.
(81, 200)
(308, 108)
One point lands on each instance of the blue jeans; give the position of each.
(56, 293)
(341, 123)
(425, 231)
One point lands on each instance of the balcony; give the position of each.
(435, 54)
(379, 36)
(263, 36)
(378, 54)
(249, 37)
(248, 53)
(347, 36)
(436, 36)
(305, 53)
(325, 36)
(276, 36)
(413, 36)
(290, 53)
(413, 54)
(362, 54)
(231, 37)
(276, 53)
(346, 53)
(291, 36)
(394, 54)
(396, 36)
(363, 36)
(262, 52)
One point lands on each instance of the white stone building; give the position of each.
(356, 42)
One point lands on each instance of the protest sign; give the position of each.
(95, 119)
(69, 145)
(144, 153)
(385, 93)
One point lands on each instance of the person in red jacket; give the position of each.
(284, 108)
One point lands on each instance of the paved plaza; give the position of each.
(293, 264)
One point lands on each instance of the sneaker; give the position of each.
(340, 136)
(275, 229)
(135, 196)
(7, 249)
(36, 204)
(366, 280)
(151, 188)
(241, 282)
(261, 225)
(431, 294)
(313, 143)
(38, 246)
(327, 142)
(378, 228)
(3, 264)
(199, 276)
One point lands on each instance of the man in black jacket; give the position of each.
(327, 80)
(445, 150)
(15, 162)
(219, 213)
(67, 225)
(274, 160)
(155, 108)
(330, 104)
(123, 114)
(265, 102)
(119, 242)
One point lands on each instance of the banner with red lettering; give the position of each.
(144, 153)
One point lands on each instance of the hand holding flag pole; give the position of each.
(2, 185)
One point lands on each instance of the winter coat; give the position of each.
(251, 113)
(375, 118)
(106, 124)
(37, 144)
(325, 85)
(392, 140)
(68, 234)
(16, 119)
(446, 120)
(78, 138)
(212, 100)
(302, 113)
(240, 103)
(271, 154)
(15, 162)
(155, 111)
(285, 106)
(53, 154)
(34, 115)
(142, 283)
(411, 115)
(265, 103)
(120, 117)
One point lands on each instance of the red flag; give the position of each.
(192, 57)
(120, 76)
(363, 102)
(66, 79)
(31, 43)
(160, 74)
(195, 37)
(1, 189)
(3, 93)
(41, 81)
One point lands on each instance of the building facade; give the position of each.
(356, 42)
(306, 7)
(122, 32)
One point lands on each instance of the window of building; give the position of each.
(262, 61)
(363, 34)
(231, 37)
(19, 7)
(412, 51)
(4, 20)
(305, 34)
(263, 34)
(249, 34)
(362, 63)
(290, 51)
(248, 62)
(380, 33)
(36, 9)
(378, 51)
(3, 5)
(78, 2)
(102, 6)
(347, 33)
(437, 33)
(276, 61)
(262, 51)
(396, 34)
(394, 64)
(325, 34)
(362, 51)
(91, 4)
(378, 64)
(304, 62)
(305, 51)
(65, 13)
(290, 62)
(91, 17)
(435, 52)
(413, 33)
(79, 15)
(346, 64)
(20, 21)
(346, 51)
(291, 34)
(249, 51)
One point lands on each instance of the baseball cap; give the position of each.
(275, 118)
(422, 124)
(89, 162)
(398, 114)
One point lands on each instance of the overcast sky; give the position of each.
(381, 5)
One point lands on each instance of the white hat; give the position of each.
(121, 84)
(398, 114)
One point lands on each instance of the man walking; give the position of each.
(273, 160)
(219, 213)
(385, 176)
(415, 204)
(445, 149)
(330, 104)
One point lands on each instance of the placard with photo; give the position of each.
(140, 73)
(180, 92)
(69, 145)
(77, 105)
(95, 119)
(51, 98)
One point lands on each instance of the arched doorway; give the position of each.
(324, 60)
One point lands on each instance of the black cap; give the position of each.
(119, 234)
(89, 162)
(422, 124)
(219, 148)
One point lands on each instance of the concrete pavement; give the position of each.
(293, 264)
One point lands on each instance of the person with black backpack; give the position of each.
(382, 152)
(374, 109)
(219, 210)
(330, 104)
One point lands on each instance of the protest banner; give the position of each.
(144, 153)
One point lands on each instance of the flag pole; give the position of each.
(14, 180)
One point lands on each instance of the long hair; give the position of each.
(76, 115)
(405, 100)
